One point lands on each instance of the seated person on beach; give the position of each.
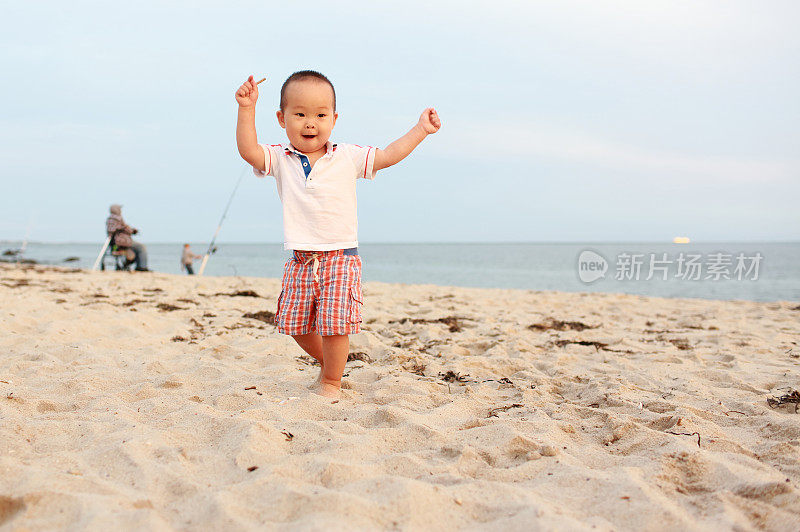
(186, 259)
(120, 234)
(320, 301)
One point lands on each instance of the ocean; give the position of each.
(724, 270)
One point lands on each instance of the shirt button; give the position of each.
(305, 164)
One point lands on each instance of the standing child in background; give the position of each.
(187, 258)
(320, 300)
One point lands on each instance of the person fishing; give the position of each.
(120, 234)
(187, 257)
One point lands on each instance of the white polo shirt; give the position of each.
(319, 203)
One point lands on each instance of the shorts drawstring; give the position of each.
(315, 258)
(306, 257)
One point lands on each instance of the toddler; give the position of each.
(320, 301)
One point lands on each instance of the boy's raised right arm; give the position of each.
(246, 139)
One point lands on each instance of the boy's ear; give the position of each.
(335, 117)
(279, 114)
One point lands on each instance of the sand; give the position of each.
(149, 401)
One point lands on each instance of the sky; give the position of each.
(561, 121)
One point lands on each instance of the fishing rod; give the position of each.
(211, 248)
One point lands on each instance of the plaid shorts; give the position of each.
(320, 292)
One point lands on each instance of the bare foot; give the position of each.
(328, 390)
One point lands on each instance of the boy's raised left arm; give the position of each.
(398, 150)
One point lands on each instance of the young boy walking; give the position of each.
(320, 301)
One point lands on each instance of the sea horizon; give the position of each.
(754, 271)
(461, 242)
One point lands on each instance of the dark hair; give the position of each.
(302, 75)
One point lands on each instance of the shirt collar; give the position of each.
(288, 148)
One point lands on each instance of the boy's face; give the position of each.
(308, 116)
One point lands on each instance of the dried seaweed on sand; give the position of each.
(166, 307)
(451, 321)
(452, 376)
(363, 357)
(793, 397)
(239, 293)
(596, 345)
(263, 315)
(558, 325)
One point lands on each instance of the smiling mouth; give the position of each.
(309, 136)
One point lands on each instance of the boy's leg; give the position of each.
(334, 349)
(311, 344)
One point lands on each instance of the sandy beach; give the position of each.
(161, 402)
